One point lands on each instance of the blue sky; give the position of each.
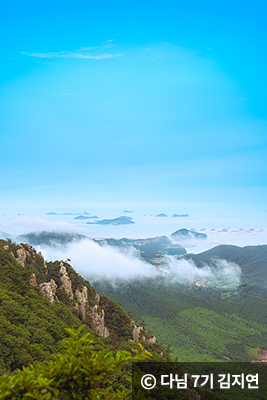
(131, 103)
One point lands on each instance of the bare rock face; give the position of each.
(22, 255)
(97, 317)
(137, 334)
(82, 298)
(6, 247)
(66, 282)
(150, 340)
(32, 281)
(48, 289)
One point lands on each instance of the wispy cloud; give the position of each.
(71, 55)
(93, 53)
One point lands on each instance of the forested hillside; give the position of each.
(38, 300)
(251, 259)
(199, 323)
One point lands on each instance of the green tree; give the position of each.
(81, 373)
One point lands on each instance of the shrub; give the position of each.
(80, 373)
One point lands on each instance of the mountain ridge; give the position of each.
(249, 258)
(38, 299)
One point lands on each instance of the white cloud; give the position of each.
(224, 272)
(90, 259)
(93, 53)
(23, 225)
(96, 262)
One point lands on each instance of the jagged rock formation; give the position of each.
(149, 340)
(137, 331)
(66, 282)
(82, 298)
(78, 294)
(22, 254)
(48, 289)
(72, 302)
(80, 302)
(98, 316)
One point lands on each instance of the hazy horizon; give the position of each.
(237, 229)
(94, 261)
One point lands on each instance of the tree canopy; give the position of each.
(80, 373)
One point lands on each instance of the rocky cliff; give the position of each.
(58, 282)
(39, 299)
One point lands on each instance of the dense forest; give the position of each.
(252, 260)
(200, 322)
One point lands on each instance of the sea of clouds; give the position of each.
(97, 262)
(94, 261)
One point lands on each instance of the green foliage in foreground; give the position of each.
(80, 373)
(30, 328)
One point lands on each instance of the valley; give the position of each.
(199, 323)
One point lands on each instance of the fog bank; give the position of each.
(96, 262)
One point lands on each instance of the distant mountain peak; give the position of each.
(187, 234)
(123, 220)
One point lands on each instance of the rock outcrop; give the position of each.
(152, 339)
(82, 298)
(22, 254)
(97, 318)
(137, 334)
(66, 282)
(48, 289)
(80, 302)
